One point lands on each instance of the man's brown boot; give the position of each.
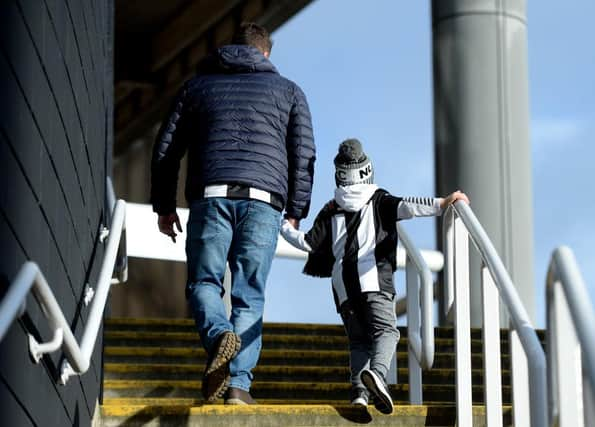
(216, 377)
(237, 396)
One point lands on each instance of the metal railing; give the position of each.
(571, 343)
(420, 316)
(30, 278)
(528, 380)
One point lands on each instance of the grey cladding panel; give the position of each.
(52, 150)
(12, 413)
(31, 384)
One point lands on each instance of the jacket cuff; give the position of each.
(164, 209)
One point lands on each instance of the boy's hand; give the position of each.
(166, 225)
(453, 197)
(294, 222)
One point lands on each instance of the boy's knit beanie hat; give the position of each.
(352, 166)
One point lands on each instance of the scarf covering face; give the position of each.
(354, 197)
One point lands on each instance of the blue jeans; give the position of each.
(243, 233)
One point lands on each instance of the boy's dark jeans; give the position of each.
(371, 326)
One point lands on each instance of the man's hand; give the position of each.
(166, 225)
(294, 222)
(453, 197)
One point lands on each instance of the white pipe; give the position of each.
(30, 278)
(98, 305)
(13, 303)
(433, 259)
(516, 309)
(566, 293)
(427, 297)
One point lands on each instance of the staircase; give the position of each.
(153, 369)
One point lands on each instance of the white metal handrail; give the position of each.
(30, 278)
(530, 406)
(420, 317)
(571, 337)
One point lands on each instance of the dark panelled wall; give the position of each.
(55, 153)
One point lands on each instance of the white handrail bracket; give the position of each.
(66, 372)
(37, 350)
(103, 234)
(89, 293)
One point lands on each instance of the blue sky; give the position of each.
(367, 73)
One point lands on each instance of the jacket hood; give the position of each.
(236, 59)
(353, 197)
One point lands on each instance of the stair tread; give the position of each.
(189, 322)
(112, 338)
(198, 367)
(268, 408)
(154, 368)
(189, 401)
(185, 351)
(271, 415)
(193, 336)
(192, 384)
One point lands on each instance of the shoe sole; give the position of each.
(216, 376)
(384, 402)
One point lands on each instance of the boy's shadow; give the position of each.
(355, 414)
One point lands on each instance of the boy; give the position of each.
(353, 241)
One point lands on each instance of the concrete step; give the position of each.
(192, 401)
(165, 371)
(188, 355)
(187, 325)
(282, 390)
(267, 415)
(274, 341)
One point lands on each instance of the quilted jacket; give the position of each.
(241, 123)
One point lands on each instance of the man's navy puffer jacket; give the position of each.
(242, 123)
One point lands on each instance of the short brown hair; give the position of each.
(253, 34)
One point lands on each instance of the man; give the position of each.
(251, 154)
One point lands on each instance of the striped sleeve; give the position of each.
(410, 207)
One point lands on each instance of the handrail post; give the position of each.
(567, 402)
(571, 331)
(462, 325)
(491, 350)
(413, 327)
(449, 267)
(521, 399)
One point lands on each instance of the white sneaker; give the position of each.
(359, 396)
(379, 390)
